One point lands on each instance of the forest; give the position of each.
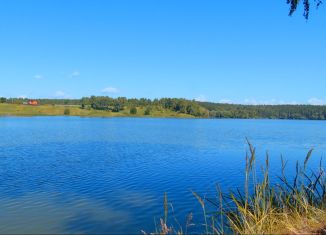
(311, 112)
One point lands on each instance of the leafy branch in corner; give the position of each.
(306, 4)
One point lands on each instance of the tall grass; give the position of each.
(296, 206)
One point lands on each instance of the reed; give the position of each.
(296, 206)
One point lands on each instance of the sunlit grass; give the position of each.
(296, 206)
(59, 110)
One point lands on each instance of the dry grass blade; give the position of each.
(166, 207)
(307, 158)
(201, 201)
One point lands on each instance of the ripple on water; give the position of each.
(96, 175)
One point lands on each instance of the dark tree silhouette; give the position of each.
(306, 4)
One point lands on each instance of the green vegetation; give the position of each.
(119, 104)
(133, 110)
(59, 110)
(66, 111)
(106, 106)
(147, 111)
(165, 107)
(311, 112)
(287, 207)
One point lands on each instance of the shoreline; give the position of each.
(155, 117)
(20, 110)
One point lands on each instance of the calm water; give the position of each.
(97, 175)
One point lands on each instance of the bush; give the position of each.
(117, 107)
(147, 111)
(133, 110)
(3, 100)
(66, 111)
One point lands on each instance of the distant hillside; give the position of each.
(123, 106)
(103, 106)
(311, 112)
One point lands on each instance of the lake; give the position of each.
(109, 175)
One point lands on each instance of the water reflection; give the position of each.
(43, 213)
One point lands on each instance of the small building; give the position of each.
(32, 102)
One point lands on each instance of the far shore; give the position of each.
(57, 110)
(20, 110)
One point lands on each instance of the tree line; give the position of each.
(106, 103)
(191, 107)
(311, 112)
(41, 101)
(179, 105)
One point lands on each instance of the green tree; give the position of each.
(147, 111)
(133, 110)
(3, 100)
(66, 111)
(117, 107)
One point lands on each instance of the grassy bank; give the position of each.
(178, 106)
(292, 206)
(75, 110)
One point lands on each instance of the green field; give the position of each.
(75, 110)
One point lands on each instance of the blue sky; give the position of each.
(221, 51)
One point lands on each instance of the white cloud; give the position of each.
(60, 94)
(268, 102)
(75, 74)
(316, 101)
(39, 77)
(252, 101)
(201, 98)
(293, 102)
(226, 101)
(110, 90)
(22, 96)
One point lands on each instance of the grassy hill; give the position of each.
(165, 107)
(76, 110)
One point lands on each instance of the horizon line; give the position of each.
(199, 101)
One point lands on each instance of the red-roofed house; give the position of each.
(33, 102)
